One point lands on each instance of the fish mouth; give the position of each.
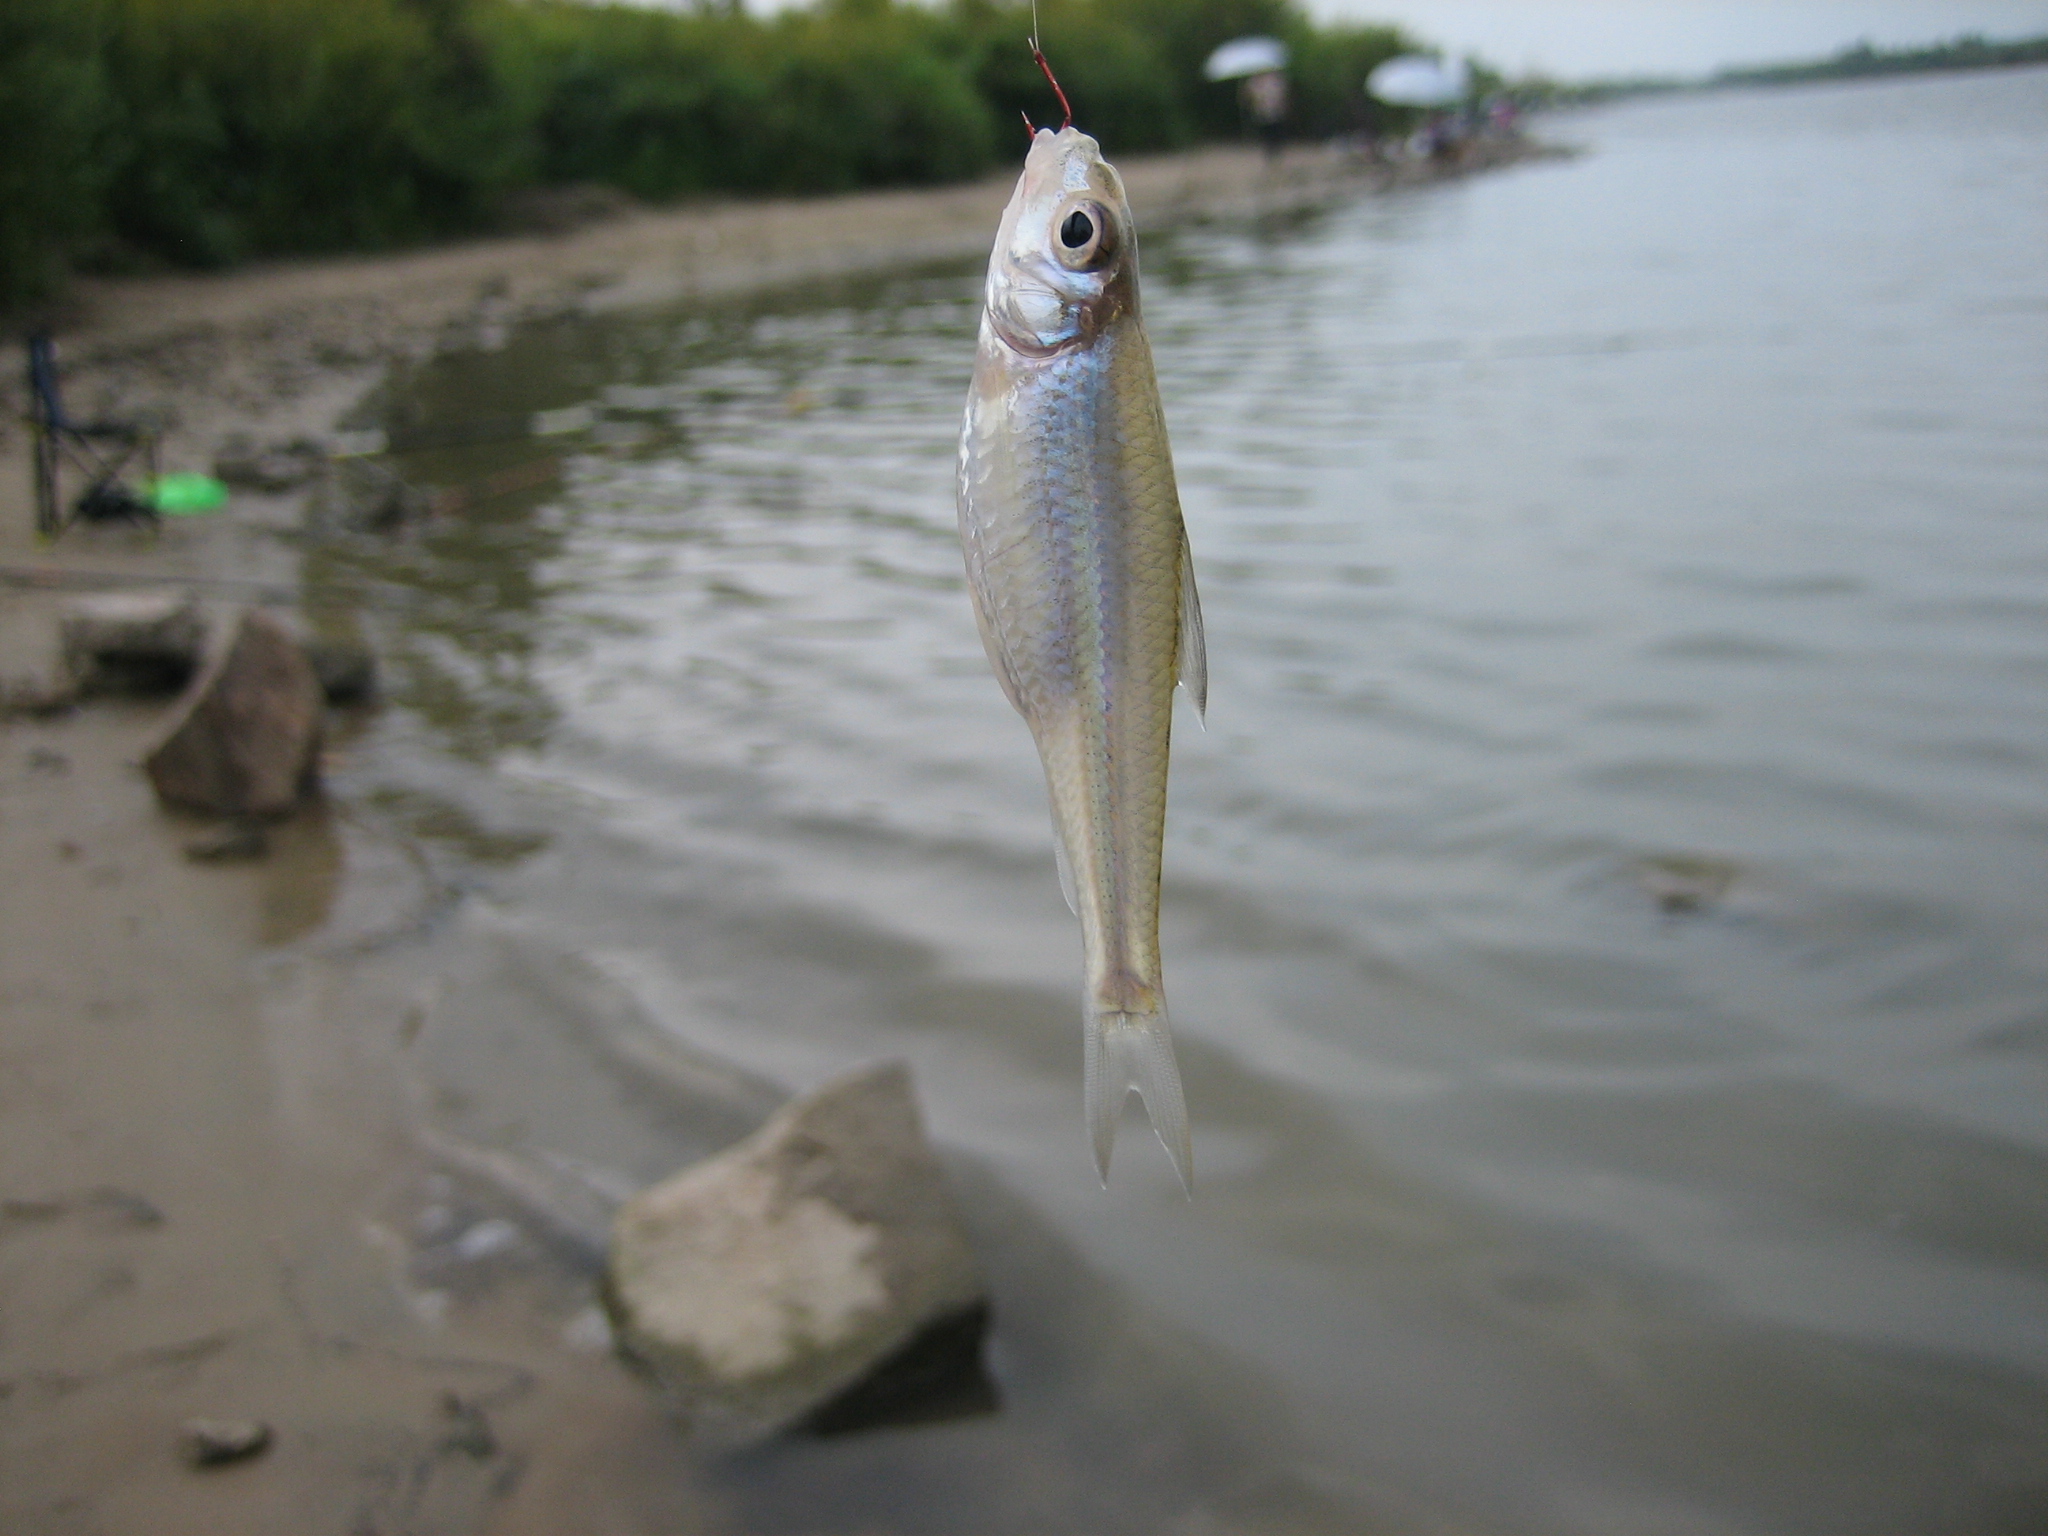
(1067, 161)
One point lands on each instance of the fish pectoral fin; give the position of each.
(1193, 657)
(1135, 1050)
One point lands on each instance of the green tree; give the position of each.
(54, 104)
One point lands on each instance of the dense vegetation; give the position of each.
(201, 132)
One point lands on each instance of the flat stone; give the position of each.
(245, 739)
(760, 1285)
(117, 642)
(216, 1442)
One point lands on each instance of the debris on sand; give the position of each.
(218, 1442)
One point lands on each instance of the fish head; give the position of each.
(1065, 266)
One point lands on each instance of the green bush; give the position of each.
(664, 105)
(201, 132)
(250, 126)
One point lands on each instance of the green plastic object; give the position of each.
(186, 495)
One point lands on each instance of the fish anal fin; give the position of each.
(1193, 657)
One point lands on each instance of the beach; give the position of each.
(208, 1154)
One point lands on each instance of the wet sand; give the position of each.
(203, 1141)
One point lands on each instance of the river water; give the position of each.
(1606, 916)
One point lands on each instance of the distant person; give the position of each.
(1265, 102)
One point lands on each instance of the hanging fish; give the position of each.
(1078, 565)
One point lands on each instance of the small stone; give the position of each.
(236, 843)
(122, 1208)
(246, 740)
(588, 1332)
(760, 1285)
(488, 1238)
(217, 1442)
(1682, 883)
(469, 1430)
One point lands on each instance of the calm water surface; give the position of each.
(1604, 915)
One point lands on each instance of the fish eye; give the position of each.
(1085, 238)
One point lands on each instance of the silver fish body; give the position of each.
(1078, 565)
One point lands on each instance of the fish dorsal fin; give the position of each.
(1193, 660)
(1066, 868)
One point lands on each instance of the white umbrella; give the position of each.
(1414, 80)
(1246, 56)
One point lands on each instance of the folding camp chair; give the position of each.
(98, 450)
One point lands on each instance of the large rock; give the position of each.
(245, 740)
(770, 1282)
(132, 641)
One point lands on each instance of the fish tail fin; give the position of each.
(1135, 1050)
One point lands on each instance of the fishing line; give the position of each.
(1039, 56)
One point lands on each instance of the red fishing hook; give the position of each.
(1050, 79)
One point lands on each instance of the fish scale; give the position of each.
(1077, 562)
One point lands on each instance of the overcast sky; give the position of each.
(1573, 39)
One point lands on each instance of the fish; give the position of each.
(1084, 592)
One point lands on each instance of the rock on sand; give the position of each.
(139, 641)
(762, 1284)
(245, 739)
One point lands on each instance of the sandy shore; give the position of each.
(201, 1136)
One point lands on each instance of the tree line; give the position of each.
(204, 132)
(1970, 51)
